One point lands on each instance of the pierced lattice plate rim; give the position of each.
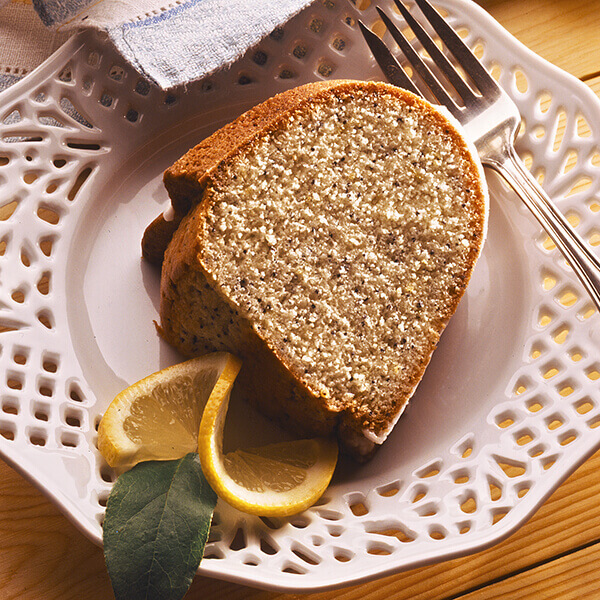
(508, 408)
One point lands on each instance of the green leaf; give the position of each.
(156, 525)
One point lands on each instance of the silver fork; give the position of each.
(491, 121)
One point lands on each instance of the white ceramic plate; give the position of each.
(508, 407)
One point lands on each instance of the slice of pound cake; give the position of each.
(330, 234)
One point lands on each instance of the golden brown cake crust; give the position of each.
(202, 170)
(186, 179)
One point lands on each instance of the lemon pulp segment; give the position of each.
(275, 480)
(158, 417)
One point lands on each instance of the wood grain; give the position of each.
(545, 25)
(41, 554)
(571, 577)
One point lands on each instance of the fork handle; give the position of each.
(577, 253)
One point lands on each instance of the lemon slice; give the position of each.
(276, 480)
(158, 417)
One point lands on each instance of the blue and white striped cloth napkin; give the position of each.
(171, 41)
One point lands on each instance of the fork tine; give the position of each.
(387, 61)
(439, 58)
(419, 65)
(484, 81)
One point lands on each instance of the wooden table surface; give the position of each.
(553, 556)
